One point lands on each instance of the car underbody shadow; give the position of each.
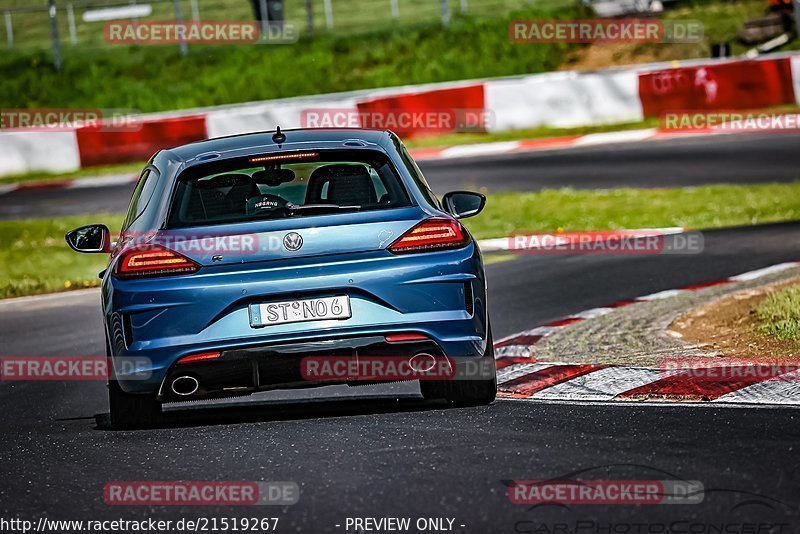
(244, 411)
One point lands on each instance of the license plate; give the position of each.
(297, 311)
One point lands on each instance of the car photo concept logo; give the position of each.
(292, 241)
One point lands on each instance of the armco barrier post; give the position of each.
(310, 17)
(54, 34)
(796, 7)
(262, 7)
(328, 14)
(9, 30)
(195, 11)
(73, 33)
(176, 4)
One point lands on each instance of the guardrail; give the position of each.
(562, 99)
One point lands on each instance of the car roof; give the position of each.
(296, 139)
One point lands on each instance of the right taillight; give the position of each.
(199, 358)
(438, 233)
(153, 260)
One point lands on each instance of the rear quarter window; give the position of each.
(418, 178)
(141, 197)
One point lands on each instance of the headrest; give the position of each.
(347, 184)
(339, 169)
(224, 180)
(273, 177)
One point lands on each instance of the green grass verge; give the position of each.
(498, 257)
(102, 170)
(156, 78)
(692, 207)
(778, 314)
(35, 259)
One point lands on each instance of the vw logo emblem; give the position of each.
(292, 241)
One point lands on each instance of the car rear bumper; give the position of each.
(297, 365)
(245, 368)
(157, 322)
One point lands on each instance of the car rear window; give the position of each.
(291, 184)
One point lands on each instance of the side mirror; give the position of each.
(90, 239)
(463, 204)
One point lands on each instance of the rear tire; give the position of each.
(129, 411)
(465, 392)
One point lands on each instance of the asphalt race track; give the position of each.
(386, 452)
(380, 451)
(740, 158)
(737, 159)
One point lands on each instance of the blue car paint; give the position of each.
(343, 254)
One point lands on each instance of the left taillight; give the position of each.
(437, 233)
(153, 260)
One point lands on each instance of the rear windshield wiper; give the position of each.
(295, 208)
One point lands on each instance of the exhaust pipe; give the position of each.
(422, 362)
(185, 385)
